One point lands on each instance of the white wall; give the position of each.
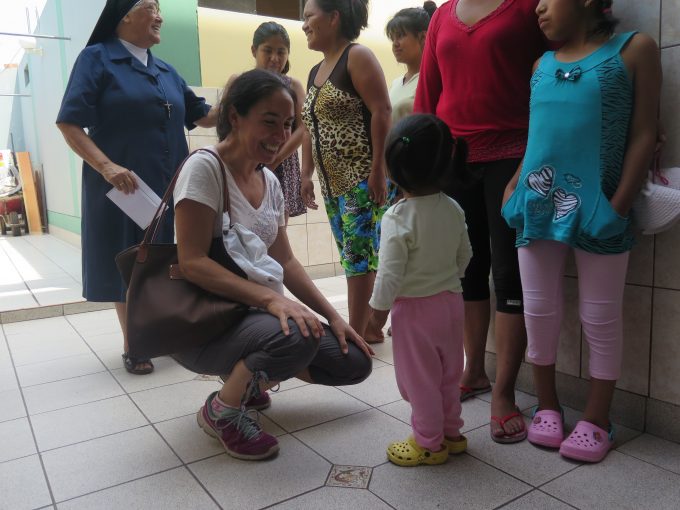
(49, 75)
(10, 107)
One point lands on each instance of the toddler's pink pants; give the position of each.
(427, 335)
(601, 281)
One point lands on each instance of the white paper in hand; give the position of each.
(140, 206)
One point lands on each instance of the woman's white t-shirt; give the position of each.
(402, 97)
(201, 180)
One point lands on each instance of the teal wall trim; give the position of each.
(70, 223)
(64, 78)
(179, 39)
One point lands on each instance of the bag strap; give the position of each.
(225, 191)
(657, 173)
(152, 231)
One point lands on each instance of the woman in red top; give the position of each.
(475, 75)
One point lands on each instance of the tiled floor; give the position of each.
(38, 270)
(78, 432)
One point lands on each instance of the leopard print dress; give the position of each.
(340, 126)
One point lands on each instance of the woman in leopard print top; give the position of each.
(347, 116)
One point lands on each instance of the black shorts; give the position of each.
(492, 240)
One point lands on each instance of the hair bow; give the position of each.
(571, 75)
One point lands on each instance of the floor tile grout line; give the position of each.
(78, 405)
(368, 488)
(64, 379)
(496, 468)
(149, 421)
(558, 499)
(21, 457)
(376, 407)
(49, 450)
(16, 269)
(191, 473)
(517, 498)
(296, 496)
(504, 505)
(317, 424)
(35, 248)
(319, 454)
(574, 468)
(28, 418)
(648, 462)
(118, 484)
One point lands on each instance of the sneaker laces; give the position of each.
(245, 424)
(238, 418)
(253, 389)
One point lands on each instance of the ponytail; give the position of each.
(430, 7)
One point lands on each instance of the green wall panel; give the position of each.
(179, 39)
(70, 223)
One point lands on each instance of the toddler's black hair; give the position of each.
(421, 154)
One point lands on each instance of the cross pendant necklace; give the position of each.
(168, 107)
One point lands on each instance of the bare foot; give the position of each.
(374, 335)
(374, 339)
(475, 380)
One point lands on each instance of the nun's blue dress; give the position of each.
(135, 115)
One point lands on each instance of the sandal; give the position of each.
(547, 428)
(588, 442)
(131, 364)
(467, 392)
(521, 435)
(408, 453)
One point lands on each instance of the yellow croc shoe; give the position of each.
(408, 453)
(456, 446)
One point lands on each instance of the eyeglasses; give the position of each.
(151, 7)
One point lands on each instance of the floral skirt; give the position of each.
(288, 174)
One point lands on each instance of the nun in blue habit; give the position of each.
(124, 111)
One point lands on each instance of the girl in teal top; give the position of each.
(592, 132)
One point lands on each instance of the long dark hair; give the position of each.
(421, 153)
(412, 20)
(353, 15)
(271, 29)
(245, 92)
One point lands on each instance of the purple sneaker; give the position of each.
(240, 435)
(259, 402)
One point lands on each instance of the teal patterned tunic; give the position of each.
(578, 129)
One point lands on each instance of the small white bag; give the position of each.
(250, 254)
(657, 207)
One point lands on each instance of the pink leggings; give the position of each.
(601, 281)
(428, 360)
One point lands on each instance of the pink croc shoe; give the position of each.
(587, 442)
(546, 428)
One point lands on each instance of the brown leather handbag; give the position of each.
(165, 312)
